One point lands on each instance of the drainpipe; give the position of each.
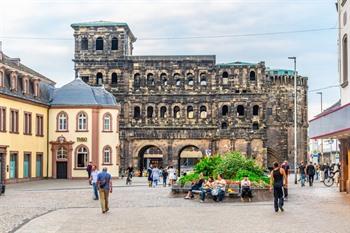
(47, 143)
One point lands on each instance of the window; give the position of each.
(203, 112)
(137, 80)
(240, 110)
(84, 44)
(114, 78)
(223, 125)
(107, 122)
(190, 113)
(252, 76)
(13, 78)
(85, 78)
(164, 79)
(149, 112)
(27, 123)
(269, 111)
(2, 79)
(99, 43)
(163, 112)
(61, 153)
(39, 125)
(82, 121)
(256, 110)
(203, 80)
(2, 119)
(82, 157)
(225, 78)
(25, 86)
(177, 112)
(255, 126)
(137, 112)
(177, 79)
(62, 122)
(150, 80)
(224, 110)
(107, 155)
(36, 88)
(190, 81)
(99, 78)
(345, 61)
(14, 121)
(114, 43)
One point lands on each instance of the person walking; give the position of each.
(130, 171)
(104, 183)
(302, 172)
(172, 175)
(277, 181)
(317, 166)
(93, 181)
(310, 171)
(285, 166)
(165, 176)
(89, 169)
(149, 175)
(155, 176)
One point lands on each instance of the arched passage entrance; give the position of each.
(150, 155)
(189, 156)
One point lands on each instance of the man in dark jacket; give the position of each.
(89, 169)
(310, 171)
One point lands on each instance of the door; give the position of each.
(26, 166)
(61, 170)
(1, 168)
(13, 166)
(39, 165)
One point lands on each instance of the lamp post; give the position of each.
(321, 95)
(295, 119)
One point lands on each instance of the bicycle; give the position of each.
(329, 181)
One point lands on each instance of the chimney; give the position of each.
(0, 50)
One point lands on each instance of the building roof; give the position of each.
(280, 72)
(78, 93)
(102, 23)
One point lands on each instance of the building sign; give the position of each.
(81, 139)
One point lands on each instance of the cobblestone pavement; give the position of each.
(67, 206)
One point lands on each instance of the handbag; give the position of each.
(215, 192)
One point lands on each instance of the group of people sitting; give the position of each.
(217, 188)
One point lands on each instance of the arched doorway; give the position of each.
(150, 155)
(189, 156)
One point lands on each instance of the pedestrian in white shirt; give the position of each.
(93, 181)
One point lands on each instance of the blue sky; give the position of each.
(316, 51)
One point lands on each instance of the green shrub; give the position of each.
(207, 165)
(188, 178)
(253, 177)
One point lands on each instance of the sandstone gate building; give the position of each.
(176, 109)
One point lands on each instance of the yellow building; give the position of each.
(83, 128)
(24, 96)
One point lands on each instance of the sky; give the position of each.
(39, 33)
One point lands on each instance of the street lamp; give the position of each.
(295, 118)
(321, 95)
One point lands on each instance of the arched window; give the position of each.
(107, 155)
(107, 122)
(203, 112)
(84, 44)
(255, 110)
(224, 110)
(164, 79)
(25, 85)
(177, 79)
(177, 112)
(137, 112)
(150, 79)
(203, 80)
(223, 125)
(62, 122)
(61, 153)
(137, 80)
(190, 81)
(114, 43)
(190, 113)
(99, 78)
(252, 76)
(225, 78)
(114, 78)
(99, 43)
(149, 112)
(178, 82)
(81, 157)
(240, 110)
(82, 121)
(345, 59)
(255, 126)
(163, 112)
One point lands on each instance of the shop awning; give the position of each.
(191, 154)
(153, 155)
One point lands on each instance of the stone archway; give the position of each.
(148, 155)
(188, 157)
(61, 142)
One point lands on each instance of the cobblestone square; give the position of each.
(67, 206)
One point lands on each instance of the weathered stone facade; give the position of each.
(184, 106)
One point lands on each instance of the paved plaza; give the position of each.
(67, 206)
